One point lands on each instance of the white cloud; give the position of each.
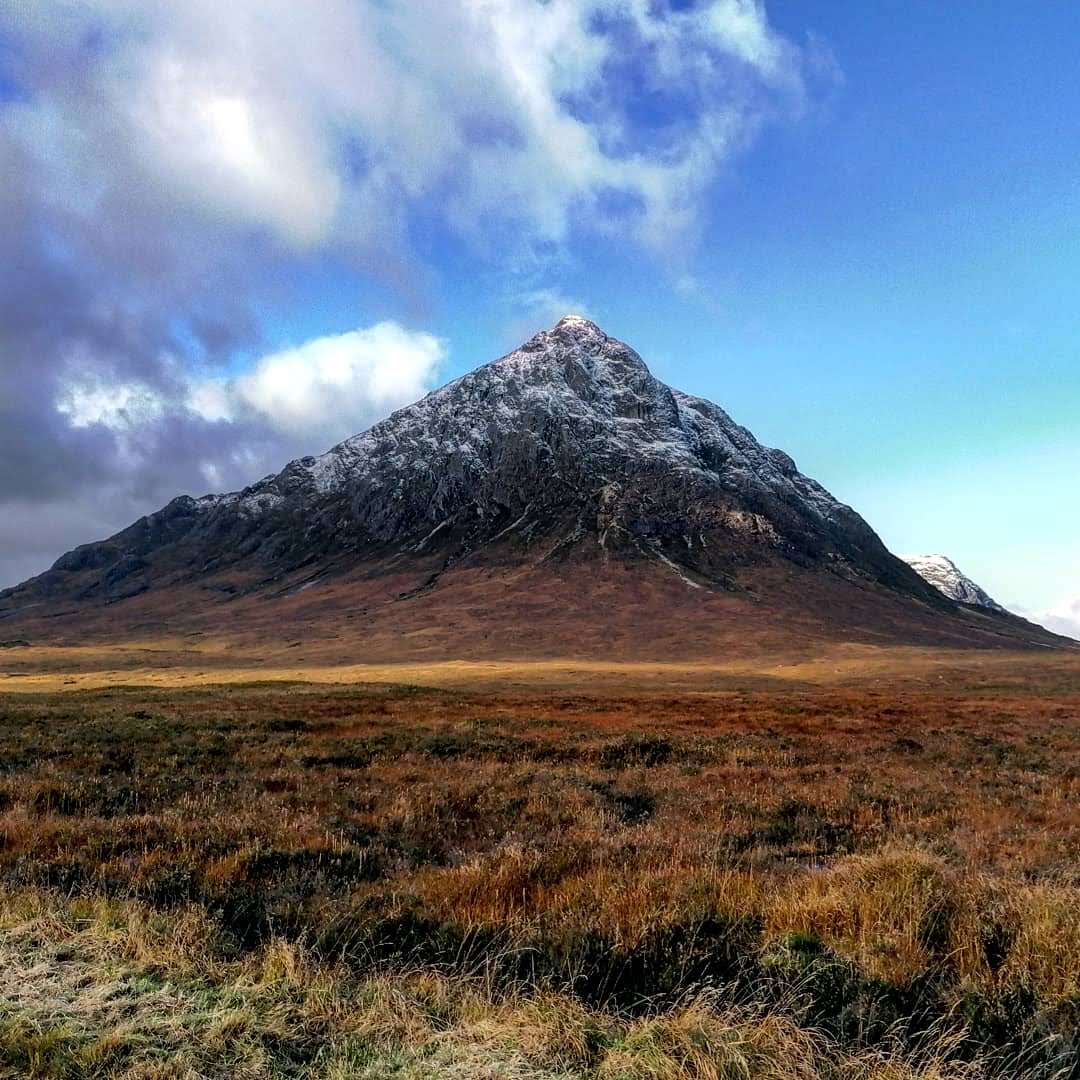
(1064, 618)
(330, 387)
(319, 392)
(219, 434)
(119, 406)
(234, 154)
(332, 122)
(741, 26)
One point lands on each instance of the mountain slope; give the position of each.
(564, 465)
(945, 576)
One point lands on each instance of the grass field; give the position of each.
(786, 877)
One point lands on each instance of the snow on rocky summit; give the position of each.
(945, 576)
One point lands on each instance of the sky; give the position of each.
(233, 234)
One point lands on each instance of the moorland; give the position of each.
(864, 866)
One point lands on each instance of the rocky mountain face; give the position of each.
(941, 572)
(569, 438)
(565, 456)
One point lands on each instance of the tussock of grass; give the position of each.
(896, 914)
(1044, 952)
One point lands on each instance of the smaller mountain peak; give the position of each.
(576, 320)
(941, 572)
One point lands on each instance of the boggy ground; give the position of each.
(279, 879)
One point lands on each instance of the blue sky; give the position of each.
(856, 227)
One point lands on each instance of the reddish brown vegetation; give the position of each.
(867, 856)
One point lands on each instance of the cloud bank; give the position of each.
(167, 166)
(318, 393)
(1062, 619)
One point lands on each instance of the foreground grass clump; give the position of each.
(112, 989)
(787, 883)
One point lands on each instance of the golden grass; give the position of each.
(176, 662)
(895, 913)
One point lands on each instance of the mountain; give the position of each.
(946, 576)
(557, 500)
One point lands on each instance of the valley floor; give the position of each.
(831, 868)
(182, 661)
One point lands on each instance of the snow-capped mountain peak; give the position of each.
(573, 405)
(941, 572)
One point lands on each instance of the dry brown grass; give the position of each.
(564, 883)
(88, 991)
